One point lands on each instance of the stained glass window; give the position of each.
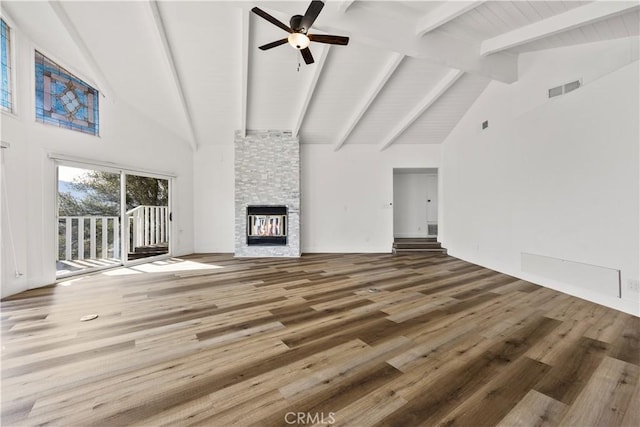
(64, 100)
(5, 90)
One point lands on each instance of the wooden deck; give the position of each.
(354, 340)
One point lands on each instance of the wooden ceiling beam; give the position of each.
(345, 5)
(574, 18)
(175, 76)
(384, 76)
(99, 78)
(443, 14)
(244, 83)
(320, 60)
(432, 96)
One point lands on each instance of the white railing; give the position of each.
(72, 231)
(98, 237)
(148, 226)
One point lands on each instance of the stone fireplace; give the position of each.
(267, 194)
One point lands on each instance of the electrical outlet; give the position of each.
(633, 285)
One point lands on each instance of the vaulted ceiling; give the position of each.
(409, 73)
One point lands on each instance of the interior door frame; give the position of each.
(418, 170)
(63, 160)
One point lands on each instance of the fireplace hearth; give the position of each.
(267, 225)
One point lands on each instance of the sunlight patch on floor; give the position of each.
(165, 266)
(71, 281)
(123, 271)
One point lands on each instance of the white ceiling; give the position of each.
(409, 73)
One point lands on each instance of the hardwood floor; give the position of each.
(354, 340)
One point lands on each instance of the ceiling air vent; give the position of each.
(566, 88)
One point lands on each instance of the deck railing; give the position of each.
(98, 237)
(148, 226)
(88, 237)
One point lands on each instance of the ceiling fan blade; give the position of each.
(306, 54)
(273, 44)
(310, 15)
(329, 39)
(261, 13)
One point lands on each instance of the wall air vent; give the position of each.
(566, 88)
(571, 86)
(555, 91)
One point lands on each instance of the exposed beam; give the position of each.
(443, 14)
(432, 96)
(400, 36)
(246, 23)
(319, 64)
(168, 55)
(344, 5)
(98, 77)
(372, 93)
(574, 18)
(436, 46)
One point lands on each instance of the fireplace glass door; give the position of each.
(267, 225)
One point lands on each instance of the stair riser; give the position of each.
(417, 246)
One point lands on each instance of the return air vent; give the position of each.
(569, 87)
(566, 88)
(555, 91)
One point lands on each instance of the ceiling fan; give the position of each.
(299, 26)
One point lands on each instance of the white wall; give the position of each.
(347, 194)
(214, 208)
(127, 138)
(554, 177)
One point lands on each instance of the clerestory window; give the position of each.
(6, 95)
(64, 100)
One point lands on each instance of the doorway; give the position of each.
(107, 217)
(415, 202)
(147, 216)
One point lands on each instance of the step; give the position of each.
(151, 249)
(139, 255)
(147, 251)
(415, 239)
(417, 245)
(431, 251)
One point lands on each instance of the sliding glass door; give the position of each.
(109, 217)
(88, 223)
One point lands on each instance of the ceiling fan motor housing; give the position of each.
(295, 22)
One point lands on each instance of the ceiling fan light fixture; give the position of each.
(298, 40)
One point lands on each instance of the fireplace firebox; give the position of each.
(267, 225)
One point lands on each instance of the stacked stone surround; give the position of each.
(267, 172)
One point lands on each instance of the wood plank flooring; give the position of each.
(340, 339)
